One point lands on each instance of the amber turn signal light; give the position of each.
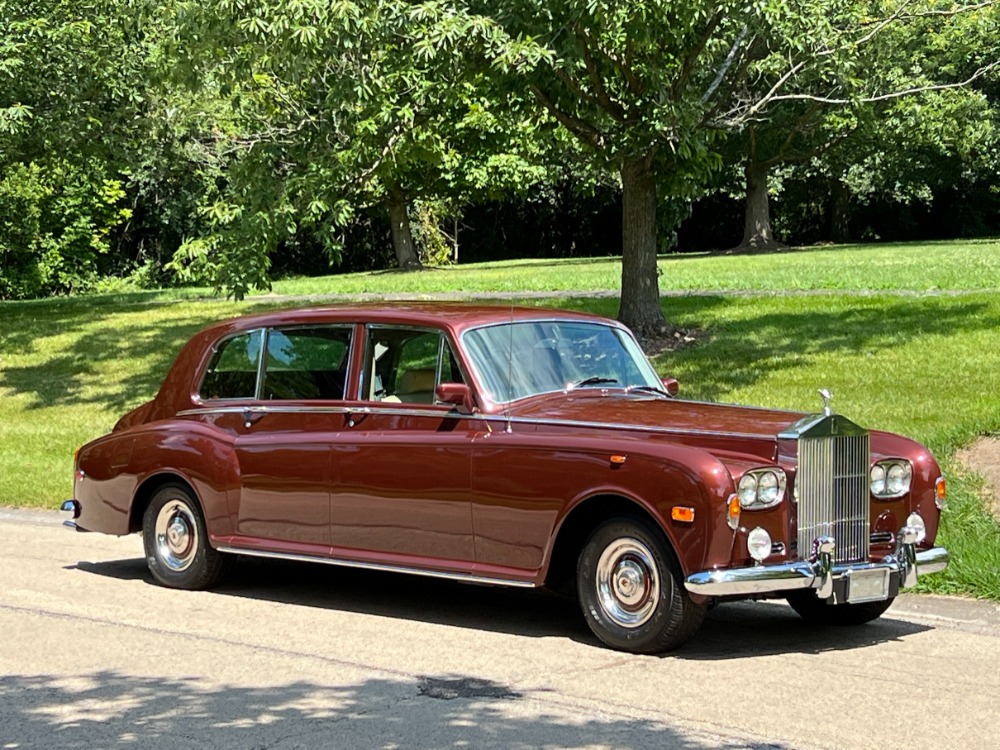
(682, 513)
(733, 511)
(940, 493)
(618, 460)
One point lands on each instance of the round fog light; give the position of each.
(914, 521)
(759, 544)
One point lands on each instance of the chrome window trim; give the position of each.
(384, 567)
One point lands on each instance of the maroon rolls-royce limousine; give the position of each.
(524, 447)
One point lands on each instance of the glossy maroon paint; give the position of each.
(468, 486)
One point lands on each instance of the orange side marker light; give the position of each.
(682, 513)
(941, 493)
(733, 511)
(618, 460)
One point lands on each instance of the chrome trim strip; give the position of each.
(376, 408)
(766, 579)
(339, 562)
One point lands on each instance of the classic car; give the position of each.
(514, 446)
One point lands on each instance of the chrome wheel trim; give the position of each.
(628, 582)
(176, 535)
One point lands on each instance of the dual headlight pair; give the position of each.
(764, 488)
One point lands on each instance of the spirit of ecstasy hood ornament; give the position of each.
(827, 396)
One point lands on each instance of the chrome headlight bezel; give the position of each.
(762, 488)
(890, 478)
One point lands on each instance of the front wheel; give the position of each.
(631, 589)
(817, 612)
(176, 542)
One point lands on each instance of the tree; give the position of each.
(73, 118)
(336, 107)
(913, 58)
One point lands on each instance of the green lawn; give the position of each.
(926, 366)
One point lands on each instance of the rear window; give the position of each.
(232, 373)
(307, 363)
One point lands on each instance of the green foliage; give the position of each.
(54, 225)
(332, 107)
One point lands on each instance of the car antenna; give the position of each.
(510, 368)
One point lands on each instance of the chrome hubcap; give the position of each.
(628, 583)
(176, 535)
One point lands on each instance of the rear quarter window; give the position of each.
(232, 371)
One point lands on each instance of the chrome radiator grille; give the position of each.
(833, 494)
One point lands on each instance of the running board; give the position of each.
(463, 577)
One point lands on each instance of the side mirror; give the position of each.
(456, 394)
(671, 386)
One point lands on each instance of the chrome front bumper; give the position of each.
(905, 565)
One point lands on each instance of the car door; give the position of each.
(402, 466)
(284, 447)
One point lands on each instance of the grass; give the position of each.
(925, 366)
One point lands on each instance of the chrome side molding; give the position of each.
(340, 562)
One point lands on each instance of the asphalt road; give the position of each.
(93, 655)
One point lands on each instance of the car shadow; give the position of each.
(733, 630)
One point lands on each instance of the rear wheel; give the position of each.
(631, 589)
(176, 542)
(817, 612)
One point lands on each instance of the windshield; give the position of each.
(516, 360)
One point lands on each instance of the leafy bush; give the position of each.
(55, 222)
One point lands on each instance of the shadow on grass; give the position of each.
(731, 356)
(742, 351)
(730, 631)
(104, 338)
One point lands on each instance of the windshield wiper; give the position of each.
(591, 381)
(648, 389)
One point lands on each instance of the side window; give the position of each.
(403, 365)
(232, 373)
(306, 363)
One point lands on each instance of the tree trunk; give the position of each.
(639, 308)
(402, 237)
(840, 201)
(757, 233)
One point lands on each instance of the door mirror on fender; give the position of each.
(456, 394)
(671, 386)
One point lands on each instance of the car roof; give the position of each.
(457, 316)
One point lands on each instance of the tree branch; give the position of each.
(692, 58)
(581, 129)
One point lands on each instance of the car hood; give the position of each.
(622, 411)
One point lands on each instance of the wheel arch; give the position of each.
(143, 495)
(580, 522)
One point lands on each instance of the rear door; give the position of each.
(284, 447)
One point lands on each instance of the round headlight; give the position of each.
(877, 479)
(767, 488)
(914, 521)
(747, 490)
(897, 480)
(759, 544)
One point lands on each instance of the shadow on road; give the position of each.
(109, 709)
(730, 631)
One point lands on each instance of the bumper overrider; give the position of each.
(852, 582)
